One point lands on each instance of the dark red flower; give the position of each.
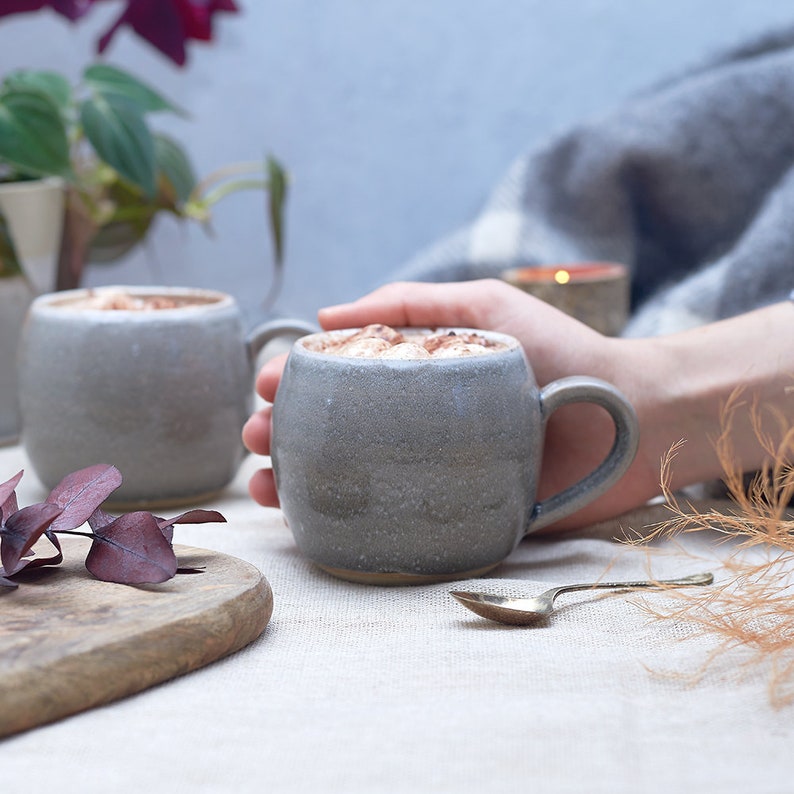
(169, 24)
(72, 9)
(166, 24)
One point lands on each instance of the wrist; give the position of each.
(681, 385)
(682, 400)
(645, 370)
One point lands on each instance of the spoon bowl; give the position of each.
(524, 611)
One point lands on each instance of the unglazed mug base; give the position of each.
(165, 503)
(398, 578)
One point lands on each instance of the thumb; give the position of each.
(473, 304)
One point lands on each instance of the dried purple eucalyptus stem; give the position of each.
(134, 548)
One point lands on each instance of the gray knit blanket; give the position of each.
(690, 184)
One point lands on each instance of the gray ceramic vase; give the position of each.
(414, 471)
(160, 394)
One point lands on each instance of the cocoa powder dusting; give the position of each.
(381, 341)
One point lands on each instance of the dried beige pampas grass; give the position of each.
(751, 606)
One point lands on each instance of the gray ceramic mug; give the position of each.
(162, 394)
(414, 471)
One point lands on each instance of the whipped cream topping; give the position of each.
(383, 342)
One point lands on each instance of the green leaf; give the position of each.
(174, 165)
(117, 238)
(54, 85)
(277, 187)
(33, 137)
(117, 130)
(108, 81)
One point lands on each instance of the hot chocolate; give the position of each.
(383, 342)
(121, 300)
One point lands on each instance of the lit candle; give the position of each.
(597, 293)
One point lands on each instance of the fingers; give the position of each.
(256, 437)
(269, 376)
(256, 431)
(473, 304)
(262, 487)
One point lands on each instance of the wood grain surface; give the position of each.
(69, 642)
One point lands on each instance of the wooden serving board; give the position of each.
(69, 642)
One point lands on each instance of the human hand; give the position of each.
(578, 437)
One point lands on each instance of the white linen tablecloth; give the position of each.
(354, 688)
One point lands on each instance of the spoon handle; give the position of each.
(694, 579)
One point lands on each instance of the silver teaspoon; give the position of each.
(524, 611)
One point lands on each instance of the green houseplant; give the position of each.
(98, 136)
(119, 171)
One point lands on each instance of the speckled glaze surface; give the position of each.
(160, 394)
(410, 471)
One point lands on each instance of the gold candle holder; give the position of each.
(596, 293)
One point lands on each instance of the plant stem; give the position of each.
(224, 173)
(214, 196)
(73, 532)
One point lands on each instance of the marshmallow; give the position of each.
(381, 341)
(406, 350)
(461, 350)
(378, 331)
(364, 348)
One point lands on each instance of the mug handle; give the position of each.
(611, 469)
(267, 332)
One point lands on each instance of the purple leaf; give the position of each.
(193, 517)
(8, 508)
(80, 493)
(7, 487)
(7, 583)
(38, 561)
(131, 550)
(8, 499)
(99, 518)
(190, 517)
(32, 560)
(22, 530)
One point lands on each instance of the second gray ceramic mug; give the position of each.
(162, 394)
(414, 471)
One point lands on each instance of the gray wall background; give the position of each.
(395, 119)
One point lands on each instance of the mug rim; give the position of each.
(66, 301)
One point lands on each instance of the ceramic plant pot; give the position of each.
(15, 297)
(33, 219)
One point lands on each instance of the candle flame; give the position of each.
(562, 276)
